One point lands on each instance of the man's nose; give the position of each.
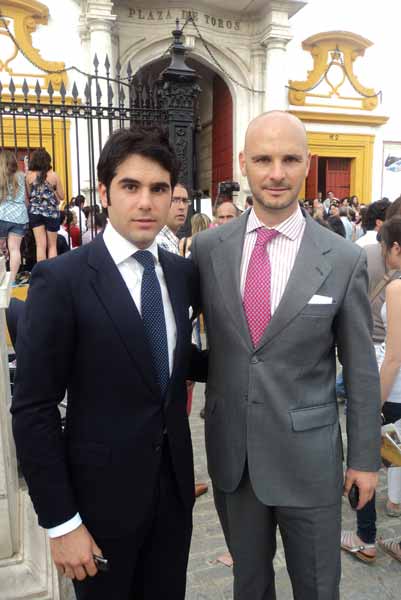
(144, 200)
(277, 171)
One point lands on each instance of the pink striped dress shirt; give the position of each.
(283, 250)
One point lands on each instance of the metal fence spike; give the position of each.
(98, 93)
(110, 94)
(11, 87)
(50, 89)
(129, 70)
(87, 93)
(74, 92)
(25, 89)
(63, 91)
(96, 62)
(107, 64)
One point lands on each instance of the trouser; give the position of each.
(366, 517)
(151, 563)
(311, 539)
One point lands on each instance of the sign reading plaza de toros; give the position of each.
(166, 14)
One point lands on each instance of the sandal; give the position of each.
(391, 547)
(393, 511)
(352, 544)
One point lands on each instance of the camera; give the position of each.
(227, 188)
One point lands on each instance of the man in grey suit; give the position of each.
(280, 292)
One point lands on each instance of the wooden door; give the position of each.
(222, 134)
(338, 176)
(312, 179)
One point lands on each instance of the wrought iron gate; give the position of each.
(74, 126)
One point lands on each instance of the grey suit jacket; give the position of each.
(275, 406)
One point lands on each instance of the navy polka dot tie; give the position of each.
(153, 317)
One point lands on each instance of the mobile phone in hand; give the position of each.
(353, 496)
(101, 563)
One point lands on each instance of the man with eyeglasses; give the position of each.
(167, 238)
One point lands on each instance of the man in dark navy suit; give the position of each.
(110, 323)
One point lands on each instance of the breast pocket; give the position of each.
(318, 310)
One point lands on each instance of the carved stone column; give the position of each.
(275, 40)
(26, 569)
(100, 23)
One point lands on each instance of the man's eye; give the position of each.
(159, 189)
(263, 159)
(130, 187)
(291, 159)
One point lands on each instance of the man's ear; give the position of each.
(102, 190)
(308, 164)
(242, 164)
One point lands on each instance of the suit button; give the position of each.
(254, 360)
(157, 446)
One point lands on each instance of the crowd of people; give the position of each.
(282, 294)
(32, 225)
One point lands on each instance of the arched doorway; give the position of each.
(214, 136)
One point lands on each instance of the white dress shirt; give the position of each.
(370, 237)
(168, 240)
(121, 251)
(282, 249)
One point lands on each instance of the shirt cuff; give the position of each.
(66, 527)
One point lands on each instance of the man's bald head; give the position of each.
(276, 161)
(274, 119)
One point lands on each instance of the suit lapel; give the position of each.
(173, 279)
(226, 260)
(112, 292)
(308, 274)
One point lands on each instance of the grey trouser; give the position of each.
(311, 538)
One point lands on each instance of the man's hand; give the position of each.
(73, 553)
(365, 481)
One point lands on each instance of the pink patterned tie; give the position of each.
(257, 293)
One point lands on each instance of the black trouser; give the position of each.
(366, 517)
(150, 564)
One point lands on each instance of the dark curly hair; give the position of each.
(40, 160)
(152, 143)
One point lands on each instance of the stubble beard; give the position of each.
(266, 205)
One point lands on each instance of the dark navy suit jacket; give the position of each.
(81, 331)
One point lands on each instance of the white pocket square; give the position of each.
(190, 312)
(316, 299)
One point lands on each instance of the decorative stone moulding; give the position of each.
(332, 82)
(22, 18)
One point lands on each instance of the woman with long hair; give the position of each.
(13, 213)
(45, 194)
(390, 364)
(362, 543)
(199, 222)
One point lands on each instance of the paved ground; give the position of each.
(208, 581)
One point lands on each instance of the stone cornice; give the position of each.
(276, 35)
